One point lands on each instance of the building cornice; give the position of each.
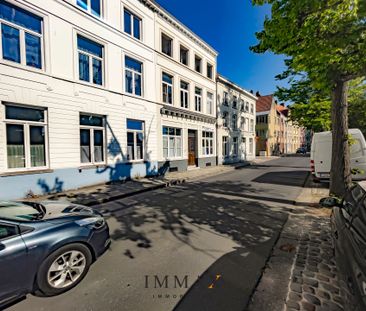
(227, 82)
(156, 8)
(182, 113)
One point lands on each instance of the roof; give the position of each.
(282, 109)
(264, 103)
(222, 79)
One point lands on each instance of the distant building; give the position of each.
(276, 133)
(235, 122)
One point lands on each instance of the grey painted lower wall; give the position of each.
(205, 162)
(172, 166)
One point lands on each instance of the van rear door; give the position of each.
(323, 156)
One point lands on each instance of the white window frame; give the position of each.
(212, 70)
(26, 125)
(242, 123)
(91, 129)
(167, 85)
(207, 143)
(196, 57)
(198, 99)
(185, 93)
(133, 14)
(251, 145)
(234, 122)
(225, 119)
(251, 125)
(210, 103)
(22, 31)
(163, 34)
(135, 133)
(225, 146)
(88, 9)
(90, 57)
(235, 146)
(180, 53)
(175, 138)
(141, 74)
(226, 99)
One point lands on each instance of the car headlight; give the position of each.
(94, 222)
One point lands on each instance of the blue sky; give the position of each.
(229, 27)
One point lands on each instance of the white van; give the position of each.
(321, 154)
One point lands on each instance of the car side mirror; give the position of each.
(330, 202)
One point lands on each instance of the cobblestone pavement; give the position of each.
(314, 285)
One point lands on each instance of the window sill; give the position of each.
(28, 172)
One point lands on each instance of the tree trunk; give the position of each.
(340, 175)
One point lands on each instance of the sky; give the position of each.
(229, 26)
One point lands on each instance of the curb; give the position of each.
(130, 194)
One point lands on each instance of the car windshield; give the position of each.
(19, 211)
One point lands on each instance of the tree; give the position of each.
(325, 41)
(357, 107)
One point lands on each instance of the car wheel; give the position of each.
(63, 269)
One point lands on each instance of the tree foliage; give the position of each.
(325, 44)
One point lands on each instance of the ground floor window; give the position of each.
(251, 145)
(235, 146)
(172, 142)
(135, 140)
(26, 137)
(225, 146)
(207, 143)
(92, 139)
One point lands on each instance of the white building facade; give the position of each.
(78, 96)
(236, 122)
(185, 82)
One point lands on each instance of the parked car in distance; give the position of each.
(301, 150)
(47, 248)
(348, 226)
(321, 155)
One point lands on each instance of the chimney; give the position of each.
(257, 94)
(276, 102)
(282, 104)
(251, 92)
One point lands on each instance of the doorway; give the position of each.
(192, 147)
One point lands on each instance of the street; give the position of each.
(197, 246)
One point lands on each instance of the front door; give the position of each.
(192, 147)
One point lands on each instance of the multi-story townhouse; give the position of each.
(185, 82)
(77, 91)
(276, 133)
(236, 122)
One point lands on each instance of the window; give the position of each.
(133, 76)
(235, 146)
(251, 108)
(235, 102)
(92, 6)
(246, 107)
(7, 231)
(234, 122)
(26, 137)
(198, 63)
(209, 71)
(135, 140)
(247, 124)
(251, 145)
(225, 117)
(209, 103)
(21, 36)
(167, 88)
(90, 60)
(225, 146)
(207, 143)
(92, 142)
(184, 55)
(172, 142)
(198, 99)
(226, 99)
(184, 94)
(166, 45)
(242, 105)
(242, 123)
(252, 125)
(132, 24)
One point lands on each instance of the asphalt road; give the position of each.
(198, 246)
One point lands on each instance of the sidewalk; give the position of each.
(301, 273)
(103, 193)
